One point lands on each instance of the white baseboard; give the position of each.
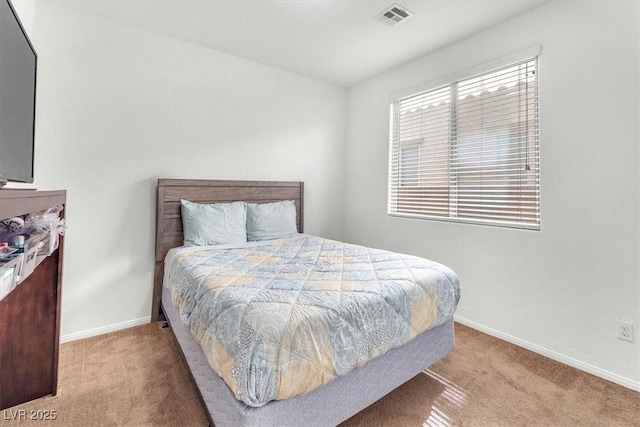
(594, 370)
(104, 329)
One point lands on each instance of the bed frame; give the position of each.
(328, 405)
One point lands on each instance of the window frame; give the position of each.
(452, 82)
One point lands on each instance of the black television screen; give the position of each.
(18, 62)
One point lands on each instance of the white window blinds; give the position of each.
(469, 151)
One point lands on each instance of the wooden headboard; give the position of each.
(169, 219)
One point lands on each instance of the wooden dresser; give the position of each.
(30, 314)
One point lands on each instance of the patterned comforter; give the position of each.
(279, 318)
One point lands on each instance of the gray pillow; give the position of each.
(268, 221)
(214, 224)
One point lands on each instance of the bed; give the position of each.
(329, 404)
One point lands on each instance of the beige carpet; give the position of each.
(136, 377)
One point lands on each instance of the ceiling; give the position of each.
(334, 41)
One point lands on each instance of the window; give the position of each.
(468, 150)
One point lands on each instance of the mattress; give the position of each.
(278, 319)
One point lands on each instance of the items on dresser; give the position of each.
(25, 242)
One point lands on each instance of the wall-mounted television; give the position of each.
(18, 63)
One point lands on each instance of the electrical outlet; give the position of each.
(625, 330)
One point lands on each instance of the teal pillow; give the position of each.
(214, 224)
(268, 221)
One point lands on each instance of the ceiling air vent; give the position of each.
(394, 14)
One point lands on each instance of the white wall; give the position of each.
(558, 291)
(118, 107)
